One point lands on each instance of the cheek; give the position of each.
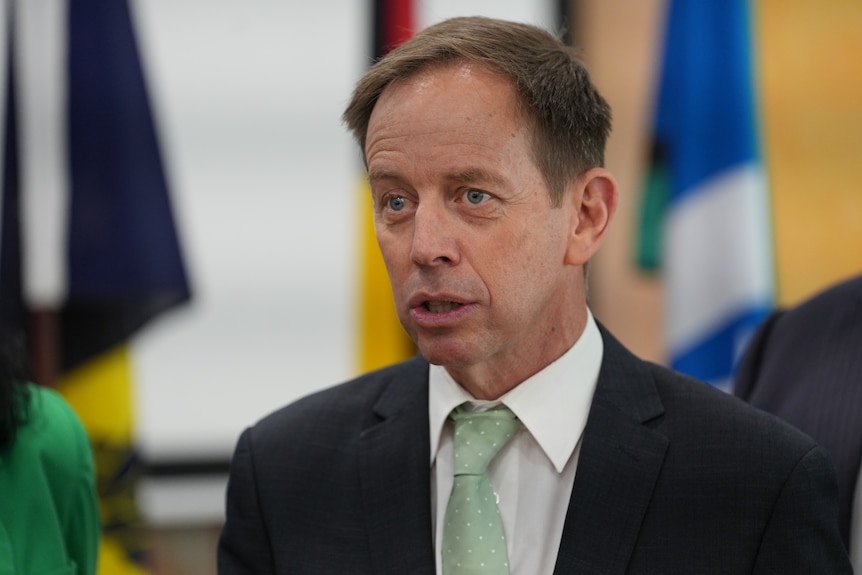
(396, 257)
(387, 241)
(538, 240)
(536, 254)
(505, 261)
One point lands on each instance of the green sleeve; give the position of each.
(75, 490)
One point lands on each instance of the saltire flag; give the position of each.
(706, 198)
(382, 340)
(89, 252)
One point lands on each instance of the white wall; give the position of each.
(248, 96)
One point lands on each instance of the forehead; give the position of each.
(462, 95)
(453, 123)
(441, 81)
(457, 69)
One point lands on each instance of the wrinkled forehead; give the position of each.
(457, 70)
(439, 94)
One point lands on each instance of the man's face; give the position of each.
(474, 250)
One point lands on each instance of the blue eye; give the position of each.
(475, 196)
(396, 203)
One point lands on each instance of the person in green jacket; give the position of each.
(49, 515)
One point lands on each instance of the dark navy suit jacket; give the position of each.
(673, 477)
(805, 365)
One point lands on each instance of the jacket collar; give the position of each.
(618, 466)
(395, 474)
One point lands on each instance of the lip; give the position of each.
(428, 319)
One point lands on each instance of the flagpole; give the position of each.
(44, 336)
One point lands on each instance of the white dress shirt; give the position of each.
(533, 475)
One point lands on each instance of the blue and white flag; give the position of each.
(716, 255)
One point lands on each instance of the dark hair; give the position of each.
(571, 121)
(14, 393)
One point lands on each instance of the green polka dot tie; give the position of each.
(473, 538)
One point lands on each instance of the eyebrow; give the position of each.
(381, 174)
(466, 176)
(473, 175)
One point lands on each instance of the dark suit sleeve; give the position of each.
(244, 546)
(802, 533)
(749, 367)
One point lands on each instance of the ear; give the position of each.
(594, 202)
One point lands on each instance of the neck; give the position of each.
(491, 380)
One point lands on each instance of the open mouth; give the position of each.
(441, 306)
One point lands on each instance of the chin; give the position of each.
(446, 354)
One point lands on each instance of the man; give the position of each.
(805, 366)
(484, 146)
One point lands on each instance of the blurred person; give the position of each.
(805, 365)
(49, 516)
(484, 144)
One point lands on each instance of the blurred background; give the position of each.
(185, 229)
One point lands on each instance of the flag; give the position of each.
(89, 252)
(706, 196)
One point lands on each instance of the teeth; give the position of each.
(441, 306)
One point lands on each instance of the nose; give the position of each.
(434, 238)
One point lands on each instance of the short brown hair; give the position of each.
(571, 120)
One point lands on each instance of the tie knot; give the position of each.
(479, 436)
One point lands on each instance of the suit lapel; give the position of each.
(619, 463)
(395, 475)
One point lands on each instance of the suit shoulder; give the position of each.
(697, 417)
(692, 405)
(847, 290)
(349, 403)
(838, 299)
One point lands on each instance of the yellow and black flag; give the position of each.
(382, 341)
(89, 251)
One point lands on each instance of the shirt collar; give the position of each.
(553, 404)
